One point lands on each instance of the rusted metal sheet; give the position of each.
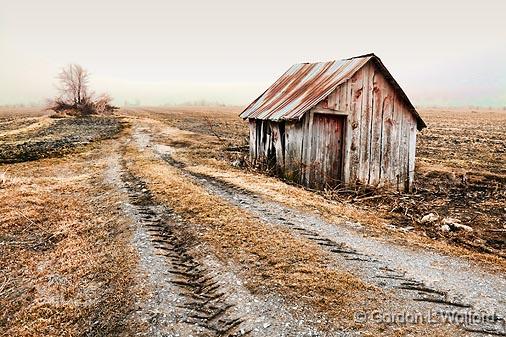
(362, 133)
(306, 84)
(301, 88)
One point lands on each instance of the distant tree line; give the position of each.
(198, 102)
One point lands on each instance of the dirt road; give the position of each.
(200, 248)
(422, 280)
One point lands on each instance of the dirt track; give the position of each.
(215, 256)
(446, 283)
(457, 175)
(191, 295)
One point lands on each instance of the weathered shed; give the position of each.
(339, 122)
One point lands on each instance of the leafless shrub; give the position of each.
(103, 104)
(74, 85)
(75, 97)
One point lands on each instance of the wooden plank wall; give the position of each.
(294, 134)
(252, 141)
(274, 147)
(379, 139)
(326, 150)
(266, 142)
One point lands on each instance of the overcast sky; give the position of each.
(161, 51)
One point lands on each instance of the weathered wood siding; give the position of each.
(380, 133)
(264, 142)
(324, 164)
(268, 144)
(253, 151)
(294, 134)
(372, 144)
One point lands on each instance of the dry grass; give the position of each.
(223, 121)
(68, 267)
(274, 190)
(18, 112)
(65, 255)
(464, 140)
(479, 203)
(272, 258)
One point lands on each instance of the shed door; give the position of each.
(326, 150)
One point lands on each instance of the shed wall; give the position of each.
(379, 136)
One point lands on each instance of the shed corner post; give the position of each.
(308, 133)
(252, 140)
(348, 130)
(412, 156)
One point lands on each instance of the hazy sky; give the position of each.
(160, 51)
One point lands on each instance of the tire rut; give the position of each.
(378, 272)
(205, 302)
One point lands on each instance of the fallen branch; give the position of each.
(3, 288)
(368, 198)
(33, 223)
(211, 128)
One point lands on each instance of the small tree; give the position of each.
(73, 86)
(74, 96)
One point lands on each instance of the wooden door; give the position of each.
(326, 150)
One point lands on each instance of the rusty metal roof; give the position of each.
(306, 84)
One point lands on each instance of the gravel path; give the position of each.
(431, 280)
(459, 278)
(188, 295)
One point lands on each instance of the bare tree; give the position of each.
(73, 86)
(74, 95)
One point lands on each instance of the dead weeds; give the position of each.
(271, 259)
(64, 251)
(473, 193)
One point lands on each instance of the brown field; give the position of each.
(153, 223)
(460, 170)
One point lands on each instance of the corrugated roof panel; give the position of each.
(304, 85)
(301, 88)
